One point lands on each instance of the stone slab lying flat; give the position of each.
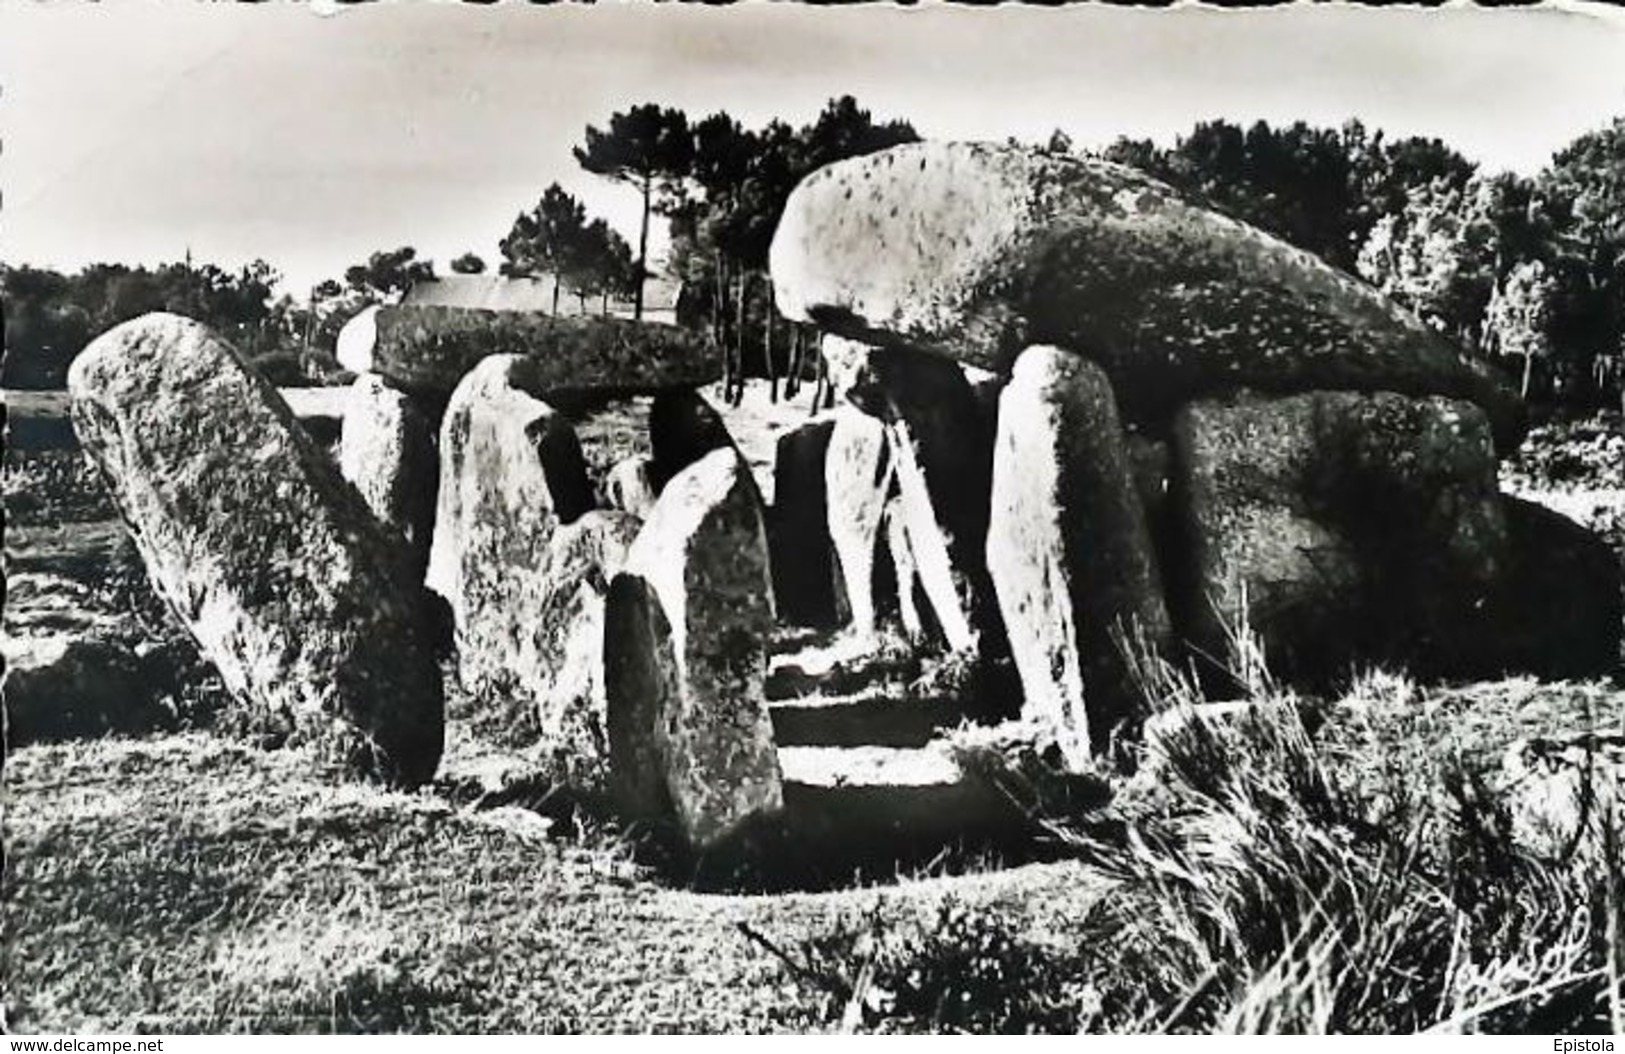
(863, 719)
(887, 796)
(427, 350)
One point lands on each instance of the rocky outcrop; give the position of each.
(427, 350)
(977, 251)
(685, 655)
(387, 449)
(1069, 552)
(271, 560)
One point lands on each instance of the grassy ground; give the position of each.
(189, 883)
(1274, 881)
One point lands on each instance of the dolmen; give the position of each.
(1197, 442)
(1084, 427)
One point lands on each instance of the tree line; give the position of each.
(1529, 271)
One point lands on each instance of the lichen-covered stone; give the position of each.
(685, 657)
(977, 251)
(1069, 552)
(944, 470)
(798, 528)
(387, 450)
(259, 546)
(1339, 527)
(428, 349)
(859, 475)
(511, 474)
(565, 686)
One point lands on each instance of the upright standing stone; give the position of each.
(269, 558)
(1558, 612)
(511, 474)
(944, 470)
(1338, 527)
(913, 607)
(387, 450)
(356, 340)
(845, 362)
(803, 556)
(858, 477)
(1068, 549)
(565, 686)
(685, 657)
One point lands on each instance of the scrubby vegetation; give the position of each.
(1576, 465)
(1262, 879)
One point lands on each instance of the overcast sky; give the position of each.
(133, 132)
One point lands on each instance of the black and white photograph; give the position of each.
(771, 518)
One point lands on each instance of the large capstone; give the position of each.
(977, 251)
(427, 350)
(1339, 528)
(1069, 551)
(387, 449)
(685, 658)
(270, 559)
